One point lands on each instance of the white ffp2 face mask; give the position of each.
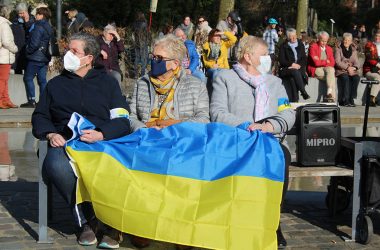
(71, 62)
(265, 65)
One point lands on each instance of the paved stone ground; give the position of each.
(305, 222)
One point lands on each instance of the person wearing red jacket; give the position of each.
(371, 66)
(321, 64)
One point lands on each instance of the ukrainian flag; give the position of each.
(205, 185)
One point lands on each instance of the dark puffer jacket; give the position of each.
(37, 45)
(92, 96)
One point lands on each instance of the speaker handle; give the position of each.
(364, 81)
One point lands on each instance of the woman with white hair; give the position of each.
(167, 95)
(249, 93)
(292, 59)
(7, 56)
(346, 70)
(111, 46)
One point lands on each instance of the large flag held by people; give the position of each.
(206, 185)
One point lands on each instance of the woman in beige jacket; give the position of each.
(7, 56)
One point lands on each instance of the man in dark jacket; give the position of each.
(95, 95)
(292, 59)
(20, 28)
(38, 55)
(77, 22)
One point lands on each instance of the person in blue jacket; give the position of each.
(37, 55)
(88, 90)
(192, 61)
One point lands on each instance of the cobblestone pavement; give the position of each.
(305, 219)
(305, 222)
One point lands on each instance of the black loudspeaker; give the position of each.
(318, 130)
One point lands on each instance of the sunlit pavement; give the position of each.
(305, 219)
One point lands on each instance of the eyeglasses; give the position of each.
(159, 58)
(201, 21)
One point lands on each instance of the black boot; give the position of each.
(305, 95)
(281, 242)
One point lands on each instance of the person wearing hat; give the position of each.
(270, 36)
(229, 24)
(78, 22)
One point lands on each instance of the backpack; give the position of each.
(53, 49)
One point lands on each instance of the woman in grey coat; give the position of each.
(248, 93)
(167, 95)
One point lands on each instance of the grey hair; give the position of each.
(177, 30)
(21, 7)
(322, 33)
(173, 45)
(290, 31)
(347, 35)
(109, 27)
(4, 11)
(249, 44)
(91, 45)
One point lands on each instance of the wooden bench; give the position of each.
(296, 171)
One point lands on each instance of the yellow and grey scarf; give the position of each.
(163, 108)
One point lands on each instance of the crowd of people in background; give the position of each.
(197, 73)
(292, 54)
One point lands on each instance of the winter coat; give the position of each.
(37, 46)
(341, 63)
(190, 102)
(81, 22)
(233, 101)
(286, 57)
(7, 46)
(314, 60)
(93, 96)
(113, 50)
(192, 54)
(222, 60)
(371, 58)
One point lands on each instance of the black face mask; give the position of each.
(158, 67)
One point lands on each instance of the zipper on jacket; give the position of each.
(81, 98)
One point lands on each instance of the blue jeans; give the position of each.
(33, 69)
(57, 170)
(141, 58)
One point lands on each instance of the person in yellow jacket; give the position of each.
(215, 51)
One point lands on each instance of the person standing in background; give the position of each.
(141, 43)
(7, 56)
(111, 46)
(21, 29)
(38, 55)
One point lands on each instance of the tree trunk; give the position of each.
(225, 7)
(302, 9)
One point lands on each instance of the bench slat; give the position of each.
(296, 171)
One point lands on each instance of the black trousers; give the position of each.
(293, 82)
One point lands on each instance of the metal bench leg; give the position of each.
(356, 194)
(42, 198)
